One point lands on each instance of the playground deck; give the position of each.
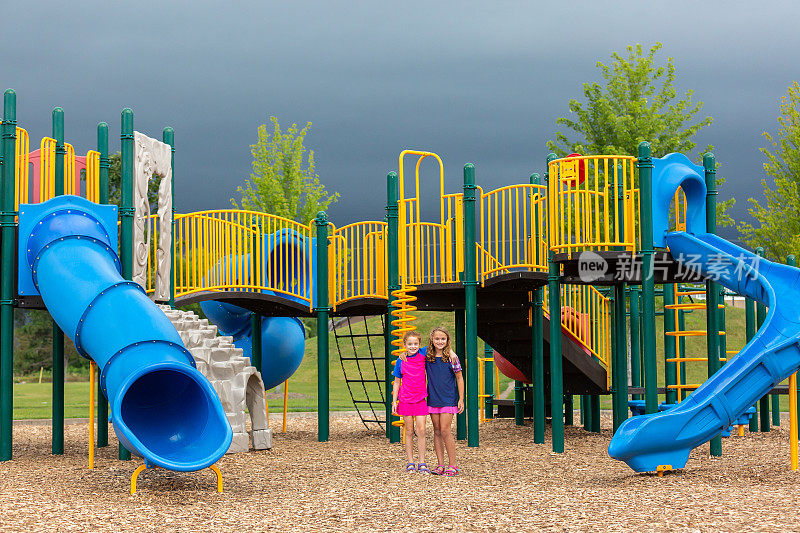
(355, 483)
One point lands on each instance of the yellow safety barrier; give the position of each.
(359, 261)
(482, 361)
(72, 181)
(93, 176)
(214, 251)
(586, 317)
(588, 197)
(47, 169)
(511, 218)
(22, 160)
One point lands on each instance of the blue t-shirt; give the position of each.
(442, 388)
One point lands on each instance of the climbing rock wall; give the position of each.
(237, 382)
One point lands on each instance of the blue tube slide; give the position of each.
(282, 339)
(163, 409)
(648, 441)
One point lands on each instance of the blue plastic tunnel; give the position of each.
(163, 408)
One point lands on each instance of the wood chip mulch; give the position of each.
(356, 482)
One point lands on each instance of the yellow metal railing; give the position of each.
(512, 229)
(359, 262)
(22, 154)
(589, 197)
(152, 226)
(93, 176)
(214, 251)
(72, 178)
(586, 317)
(484, 388)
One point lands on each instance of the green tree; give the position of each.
(779, 220)
(636, 102)
(284, 181)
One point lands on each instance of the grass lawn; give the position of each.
(33, 400)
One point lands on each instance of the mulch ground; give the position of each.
(355, 482)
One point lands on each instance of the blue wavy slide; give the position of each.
(163, 409)
(648, 441)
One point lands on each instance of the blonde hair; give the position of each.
(431, 354)
(412, 333)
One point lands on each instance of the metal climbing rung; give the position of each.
(362, 358)
(357, 335)
(371, 402)
(364, 380)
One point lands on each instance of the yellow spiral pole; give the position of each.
(402, 323)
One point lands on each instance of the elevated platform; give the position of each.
(623, 266)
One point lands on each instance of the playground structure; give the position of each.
(578, 247)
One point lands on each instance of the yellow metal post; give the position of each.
(793, 420)
(91, 414)
(285, 402)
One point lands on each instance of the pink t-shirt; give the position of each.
(413, 388)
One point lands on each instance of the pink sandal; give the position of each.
(451, 471)
(439, 470)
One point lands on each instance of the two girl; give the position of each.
(441, 396)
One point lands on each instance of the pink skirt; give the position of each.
(439, 410)
(419, 408)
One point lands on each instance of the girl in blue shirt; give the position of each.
(445, 396)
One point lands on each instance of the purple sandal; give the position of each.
(422, 468)
(411, 468)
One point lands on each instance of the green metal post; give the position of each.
(636, 347)
(712, 288)
(750, 332)
(461, 340)
(488, 381)
(670, 365)
(620, 375)
(102, 402)
(556, 363)
(537, 340)
(168, 137)
(393, 279)
(322, 309)
(256, 349)
(519, 404)
(645, 166)
(255, 334)
(763, 404)
(471, 305)
(569, 410)
(58, 336)
(126, 210)
(7, 269)
(556, 368)
(595, 409)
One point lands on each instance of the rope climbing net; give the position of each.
(363, 368)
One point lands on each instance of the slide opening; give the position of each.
(173, 416)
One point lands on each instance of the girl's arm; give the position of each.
(453, 357)
(396, 389)
(460, 385)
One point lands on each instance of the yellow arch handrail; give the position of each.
(22, 160)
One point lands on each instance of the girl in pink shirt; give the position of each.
(409, 395)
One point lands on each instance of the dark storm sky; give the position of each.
(472, 81)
